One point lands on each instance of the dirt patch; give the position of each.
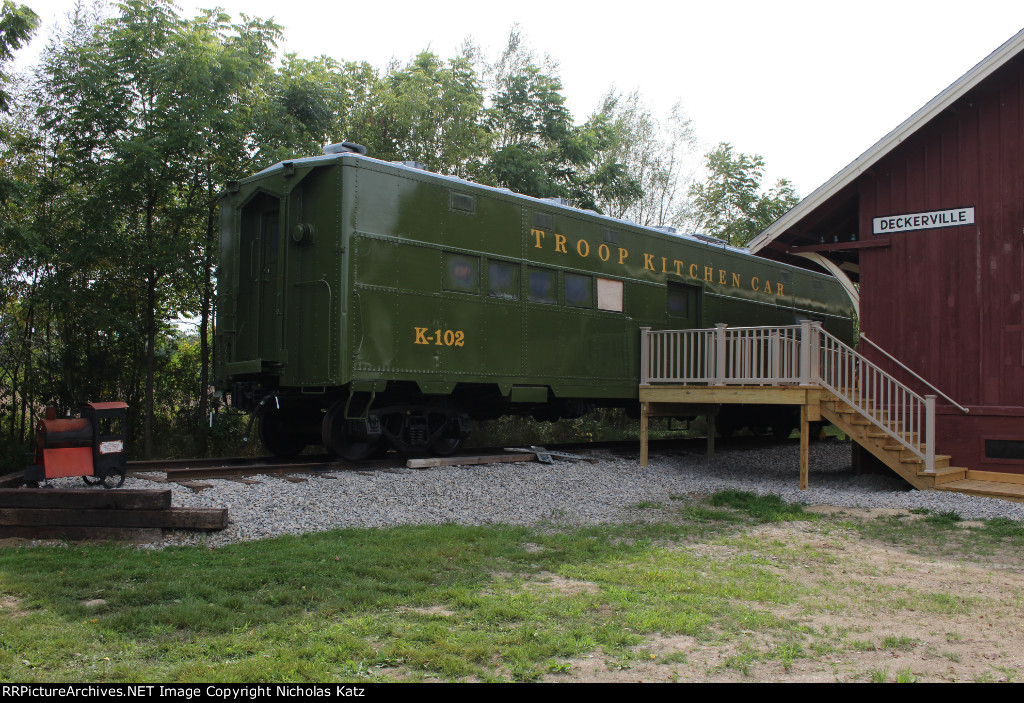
(12, 606)
(868, 612)
(567, 586)
(863, 513)
(433, 610)
(547, 580)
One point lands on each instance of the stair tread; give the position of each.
(943, 471)
(914, 461)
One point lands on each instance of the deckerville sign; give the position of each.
(923, 220)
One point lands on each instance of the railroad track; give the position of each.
(180, 470)
(233, 467)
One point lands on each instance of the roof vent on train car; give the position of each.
(418, 165)
(345, 148)
(709, 239)
(557, 201)
(666, 229)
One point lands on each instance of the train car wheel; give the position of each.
(92, 480)
(278, 436)
(339, 440)
(114, 478)
(446, 446)
(354, 450)
(783, 429)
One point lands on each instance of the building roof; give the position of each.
(884, 146)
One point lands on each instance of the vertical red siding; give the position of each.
(948, 301)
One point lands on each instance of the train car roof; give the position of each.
(700, 239)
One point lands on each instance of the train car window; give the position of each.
(579, 291)
(463, 203)
(503, 280)
(609, 295)
(543, 220)
(678, 302)
(611, 236)
(543, 287)
(462, 273)
(270, 235)
(682, 305)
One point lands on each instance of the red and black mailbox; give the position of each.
(92, 446)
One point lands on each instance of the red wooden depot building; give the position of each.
(926, 228)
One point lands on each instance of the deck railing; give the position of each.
(803, 354)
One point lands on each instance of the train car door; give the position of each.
(259, 285)
(684, 306)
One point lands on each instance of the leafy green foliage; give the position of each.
(947, 519)
(642, 169)
(537, 149)
(729, 204)
(17, 23)
(767, 508)
(139, 120)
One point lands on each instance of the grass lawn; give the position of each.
(451, 602)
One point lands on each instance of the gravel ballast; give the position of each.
(566, 492)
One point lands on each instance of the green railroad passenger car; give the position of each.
(365, 305)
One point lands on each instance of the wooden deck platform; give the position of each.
(674, 400)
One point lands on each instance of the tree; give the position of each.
(643, 173)
(150, 114)
(729, 204)
(537, 149)
(17, 23)
(433, 111)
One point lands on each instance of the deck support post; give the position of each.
(805, 447)
(644, 413)
(712, 429)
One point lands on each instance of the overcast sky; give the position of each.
(808, 85)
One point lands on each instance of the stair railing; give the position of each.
(902, 414)
(864, 338)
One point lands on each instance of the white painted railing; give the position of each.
(802, 354)
(723, 355)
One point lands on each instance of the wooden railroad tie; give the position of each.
(99, 514)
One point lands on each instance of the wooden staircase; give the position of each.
(883, 446)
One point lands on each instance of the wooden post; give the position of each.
(805, 447)
(711, 433)
(644, 411)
